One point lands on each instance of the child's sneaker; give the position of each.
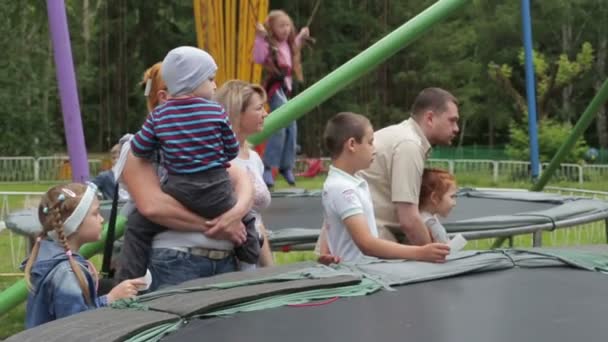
(288, 175)
(268, 179)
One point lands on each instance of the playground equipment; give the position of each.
(226, 29)
(325, 88)
(66, 79)
(313, 96)
(358, 66)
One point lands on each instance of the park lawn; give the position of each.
(12, 322)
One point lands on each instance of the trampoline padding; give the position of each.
(476, 210)
(95, 325)
(200, 302)
(541, 305)
(553, 214)
(259, 273)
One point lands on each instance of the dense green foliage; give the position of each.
(476, 54)
(551, 134)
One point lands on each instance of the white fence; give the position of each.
(505, 170)
(594, 232)
(42, 169)
(513, 170)
(49, 169)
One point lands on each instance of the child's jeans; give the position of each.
(281, 146)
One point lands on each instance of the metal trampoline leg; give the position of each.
(606, 229)
(537, 238)
(500, 240)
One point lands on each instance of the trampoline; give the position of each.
(295, 217)
(519, 305)
(502, 295)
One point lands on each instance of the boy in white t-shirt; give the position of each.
(348, 208)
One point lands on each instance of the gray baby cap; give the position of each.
(185, 68)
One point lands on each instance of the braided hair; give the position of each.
(56, 205)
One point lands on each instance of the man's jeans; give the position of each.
(171, 267)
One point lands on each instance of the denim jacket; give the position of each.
(55, 290)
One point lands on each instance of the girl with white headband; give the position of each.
(62, 282)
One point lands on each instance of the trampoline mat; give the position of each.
(25, 221)
(307, 212)
(470, 208)
(546, 304)
(294, 212)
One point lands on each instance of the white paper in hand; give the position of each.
(146, 279)
(457, 243)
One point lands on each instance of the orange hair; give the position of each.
(434, 182)
(157, 84)
(296, 55)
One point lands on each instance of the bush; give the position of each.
(551, 135)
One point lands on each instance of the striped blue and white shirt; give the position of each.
(194, 135)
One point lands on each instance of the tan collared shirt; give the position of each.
(396, 172)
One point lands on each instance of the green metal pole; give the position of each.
(357, 67)
(17, 293)
(600, 99)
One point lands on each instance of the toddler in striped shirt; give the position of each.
(196, 142)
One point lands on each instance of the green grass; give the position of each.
(32, 187)
(13, 321)
(588, 234)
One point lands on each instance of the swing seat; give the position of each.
(315, 166)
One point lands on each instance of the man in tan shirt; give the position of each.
(395, 175)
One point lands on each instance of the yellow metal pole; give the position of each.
(227, 35)
(226, 29)
(262, 13)
(231, 42)
(222, 41)
(242, 37)
(199, 23)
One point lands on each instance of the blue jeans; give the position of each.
(281, 147)
(170, 267)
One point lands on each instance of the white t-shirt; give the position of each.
(437, 230)
(343, 196)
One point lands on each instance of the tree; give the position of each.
(469, 53)
(551, 77)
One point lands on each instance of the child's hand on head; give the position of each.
(126, 289)
(433, 252)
